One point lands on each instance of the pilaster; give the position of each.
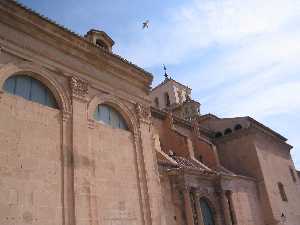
(188, 206)
(82, 161)
(152, 188)
(67, 170)
(224, 204)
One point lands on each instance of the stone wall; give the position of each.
(275, 163)
(115, 176)
(30, 159)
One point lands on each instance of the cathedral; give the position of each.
(86, 140)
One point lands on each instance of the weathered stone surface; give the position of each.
(61, 166)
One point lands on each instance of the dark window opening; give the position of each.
(101, 44)
(238, 127)
(227, 131)
(282, 192)
(167, 99)
(218, 134)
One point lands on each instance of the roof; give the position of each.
(167, 80)
(255, 122)
(76, 35)
(207, 116)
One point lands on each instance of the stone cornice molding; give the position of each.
(101, 86)
(55, 33)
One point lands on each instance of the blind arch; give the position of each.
(31, 89)
(110, 116)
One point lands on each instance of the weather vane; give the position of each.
(165, 69)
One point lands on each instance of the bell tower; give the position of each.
(174, 97)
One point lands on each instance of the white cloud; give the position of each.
(203, 23)
(257, 70)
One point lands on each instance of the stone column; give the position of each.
(150, 183)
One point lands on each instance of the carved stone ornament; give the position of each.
(143, 112)
(79, 87)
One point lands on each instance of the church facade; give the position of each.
(85, 140)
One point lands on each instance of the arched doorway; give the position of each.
(207, 212)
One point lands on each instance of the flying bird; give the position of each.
(146, 24)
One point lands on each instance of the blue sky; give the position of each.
(240, 57)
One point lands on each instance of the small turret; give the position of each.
(100, 39)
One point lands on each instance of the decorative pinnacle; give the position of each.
(165, 69)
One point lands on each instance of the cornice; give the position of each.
(53, 64)
(53, 33)
(258, 125)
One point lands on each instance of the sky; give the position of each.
(240, 57)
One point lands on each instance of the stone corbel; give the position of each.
(79, 87)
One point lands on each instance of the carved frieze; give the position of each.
(79, 87)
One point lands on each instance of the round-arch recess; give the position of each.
(32, 89)
(109, 115)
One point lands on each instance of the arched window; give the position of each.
(207, 212)
(238, 127)
(282, 192)
(30, 89)
(167, 99)
(110, 116)
(227, 131)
